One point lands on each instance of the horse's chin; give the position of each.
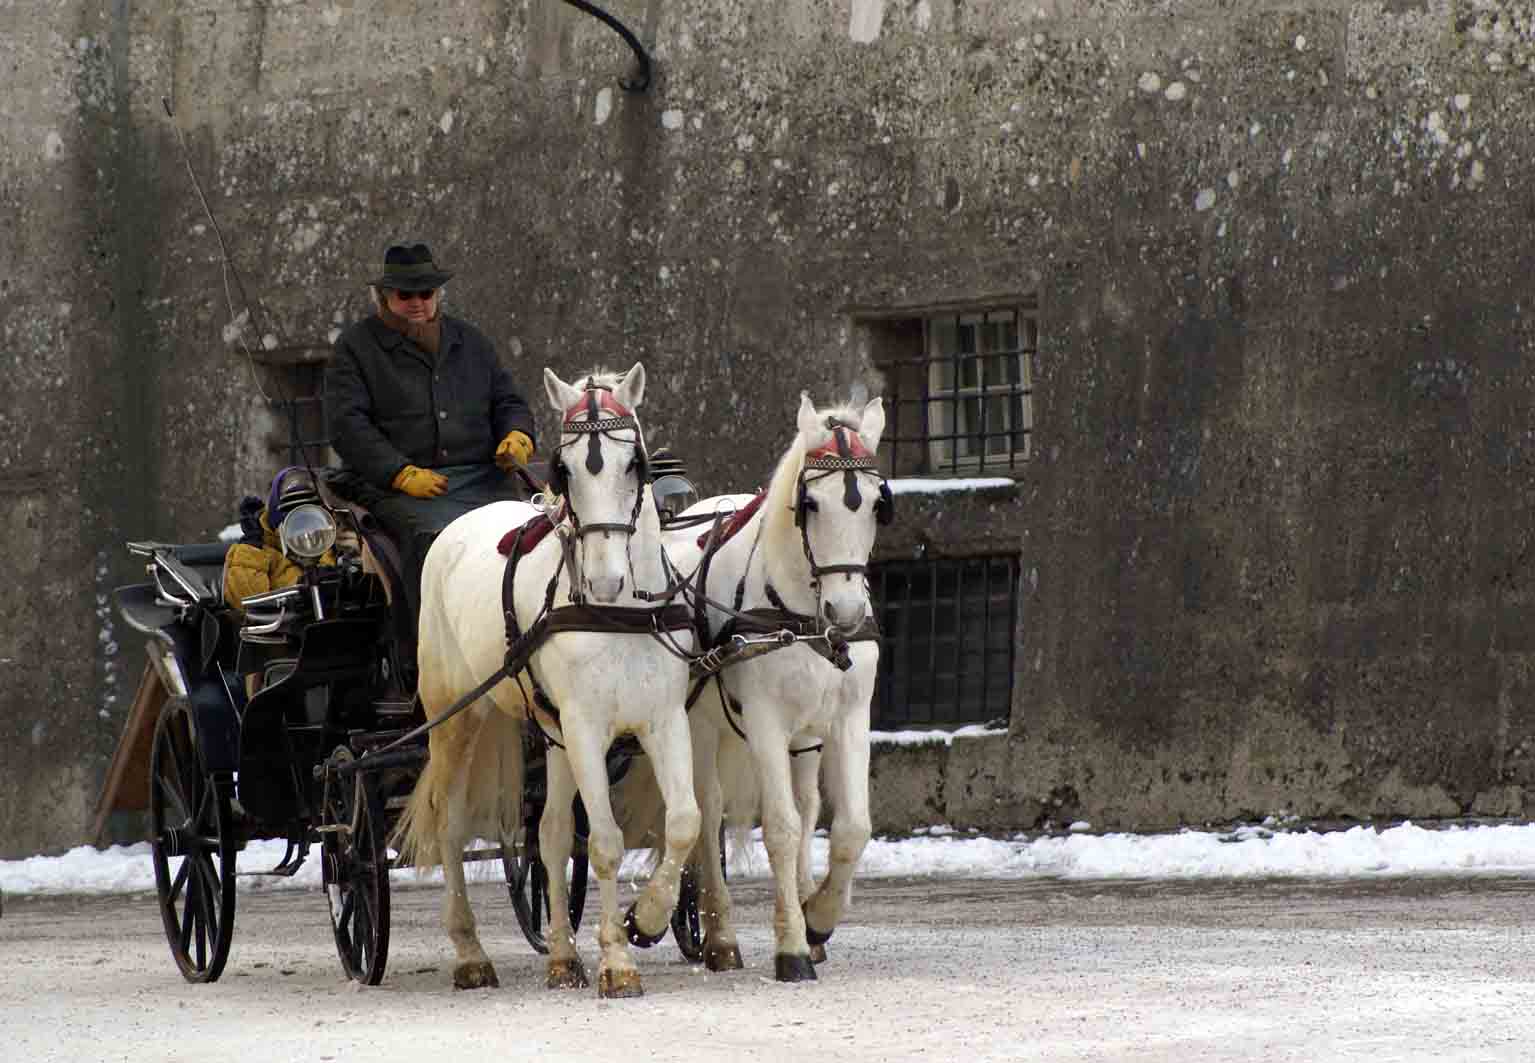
(845, 615)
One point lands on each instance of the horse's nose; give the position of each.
(847, 617)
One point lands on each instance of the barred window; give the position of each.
(959, 389)
(949, 633)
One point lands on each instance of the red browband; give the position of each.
(855, 447)
(605, 404)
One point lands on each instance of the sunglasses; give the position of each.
(426, 296)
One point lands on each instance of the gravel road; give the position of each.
(1440, 969)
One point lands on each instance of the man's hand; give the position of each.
(514, 450)
(420, 483)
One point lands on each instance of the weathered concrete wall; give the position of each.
(74, 453)
(1274, 542)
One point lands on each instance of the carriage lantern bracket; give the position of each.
(639, 81)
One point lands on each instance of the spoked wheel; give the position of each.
(528, 882)
(192, 846)
(354, 867)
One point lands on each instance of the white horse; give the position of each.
(801, 558)
(605, 546)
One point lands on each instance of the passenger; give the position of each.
(422, 413)
(256, 564)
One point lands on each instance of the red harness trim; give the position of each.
(737, 522)
(532, 533)
(605, 404)
(855, 447)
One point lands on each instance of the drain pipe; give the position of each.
(640, 80)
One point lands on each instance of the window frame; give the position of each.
(927, 384)
(932, 664)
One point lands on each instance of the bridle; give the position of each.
(605, 416)
(845, 453)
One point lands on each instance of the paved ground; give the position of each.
(1406, 970)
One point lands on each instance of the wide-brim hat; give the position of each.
(409, 268)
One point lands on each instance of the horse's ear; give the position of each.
(561, 395)
(810, 423)
(873, 423)
(631, 390)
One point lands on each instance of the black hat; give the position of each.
(409, 268)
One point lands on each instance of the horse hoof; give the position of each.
(723, 957)
(814, 936)
(637, 937)
(567, 974)
(612, 984)
(817, 954)
(790, 968)
(479, 975)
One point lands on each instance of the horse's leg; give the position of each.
(586, 754)
(667, 745)
(847, 783)
(781, 829)
(473, 969)
(805, 769)
(721, 950)
(556, 831)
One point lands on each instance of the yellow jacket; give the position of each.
(251, 569)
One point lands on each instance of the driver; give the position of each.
(422, 413)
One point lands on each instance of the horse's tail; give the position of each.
(415, 835)
(471, 786)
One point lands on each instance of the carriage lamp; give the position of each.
(307, 532)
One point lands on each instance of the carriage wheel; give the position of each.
(189, 820)
(354, 867)
(527, 882)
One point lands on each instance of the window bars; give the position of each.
(948, 649)
(961, 394)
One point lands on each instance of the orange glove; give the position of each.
(420, 483)
(514, 450)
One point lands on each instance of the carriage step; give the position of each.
(394, 708)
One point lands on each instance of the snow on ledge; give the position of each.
(932, 738)
(923, 486)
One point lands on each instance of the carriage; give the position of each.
(282, 720)
(257, 721)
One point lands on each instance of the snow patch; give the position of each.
(921, 486)
(865, 21)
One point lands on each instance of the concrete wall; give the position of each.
(1274, 542)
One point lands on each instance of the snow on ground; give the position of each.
(1242, 853)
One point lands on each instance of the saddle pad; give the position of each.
(532, 533)
(737, 522)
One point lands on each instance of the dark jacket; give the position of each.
(390, 403)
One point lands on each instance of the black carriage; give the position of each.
(253, 724)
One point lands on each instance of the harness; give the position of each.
(746, 633)
(753, 632)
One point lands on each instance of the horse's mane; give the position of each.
(785, 480)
